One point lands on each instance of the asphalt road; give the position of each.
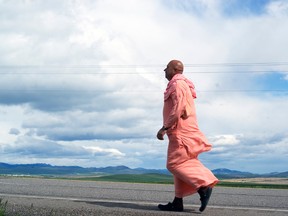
(33, 196)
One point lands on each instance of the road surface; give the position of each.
(34, 196)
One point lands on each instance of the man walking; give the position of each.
(186, 141)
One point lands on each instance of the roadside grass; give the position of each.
(23, 210)
(3, 207)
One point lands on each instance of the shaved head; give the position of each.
(177, 65)
(173, 67)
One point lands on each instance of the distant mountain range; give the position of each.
(49, 170)
(226, 173)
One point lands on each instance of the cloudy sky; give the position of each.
(82, 81)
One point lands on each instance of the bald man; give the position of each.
(186, 141)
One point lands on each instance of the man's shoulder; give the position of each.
(181, 84)
(177, 83)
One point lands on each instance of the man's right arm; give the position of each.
(176, 110)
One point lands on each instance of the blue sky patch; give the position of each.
(272, 81)
(236, 8)
(228, 8)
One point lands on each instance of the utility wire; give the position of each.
(234, 68)
(134, 91)
(150, 65)
(85, 70)
(135, 73)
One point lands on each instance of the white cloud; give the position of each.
(111, 152)
(278, 8)
(225, 140)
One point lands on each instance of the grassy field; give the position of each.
(275, 183)
(152, 178)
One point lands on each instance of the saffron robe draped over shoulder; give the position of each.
(186, 141)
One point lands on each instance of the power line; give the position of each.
(70, 70)
(238, 64)
(146, 72)
(135, 91)
(148, 65)
(156, 65)
(118, 69)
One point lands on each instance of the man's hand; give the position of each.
(161, 133)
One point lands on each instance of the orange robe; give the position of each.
(186, 141)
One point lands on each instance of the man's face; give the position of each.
(169, 72)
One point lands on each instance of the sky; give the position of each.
(82, 81)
